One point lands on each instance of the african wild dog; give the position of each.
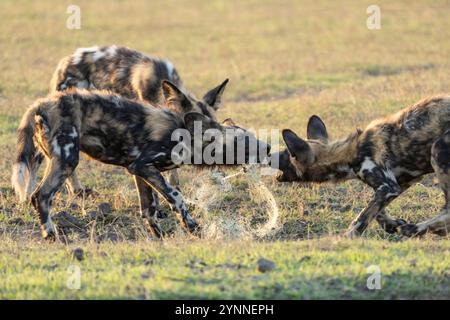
(133, 75)
(389, 155)
(113, 130)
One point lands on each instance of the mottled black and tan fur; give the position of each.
(390, 155)
(131, 74)
(134, 75)
(110, 129)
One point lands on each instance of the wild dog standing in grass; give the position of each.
(390, 155)
(133, 75)
(118, 131)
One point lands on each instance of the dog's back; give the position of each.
(119, 69)
(404, 139)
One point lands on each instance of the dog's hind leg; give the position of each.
(55, 175)
(440, 160)
(148, 206)
(37, 161)
(64, 155)
(153, 177)
(439, 225)
(65, 77)
(159, 209)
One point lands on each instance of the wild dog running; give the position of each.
(134, 75)
(117, 131)
(390, 155)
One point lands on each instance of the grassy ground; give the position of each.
(286, 60)
(323, 269)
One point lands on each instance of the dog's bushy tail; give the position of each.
(25, 151)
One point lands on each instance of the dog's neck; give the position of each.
(334, 161)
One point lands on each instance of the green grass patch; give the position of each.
(316, 269)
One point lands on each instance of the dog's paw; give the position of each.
(193, 227)
(394, 227)
(352, 233)
(409, 230)
(49, 235)
(85, 193)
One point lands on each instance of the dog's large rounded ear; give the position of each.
(196, 121)
(175, 98)
(297, 147)
(317, 129)
(213, 97)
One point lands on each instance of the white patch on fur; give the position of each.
(20, 180)
(389, 194)
(78, 55)
(111, 51)
(170, 67)
(67, 148)
(368, 165)
(98, 55)
(56, 148)
(74, 133)
(84, 84)
(135, 152)
(390, 175)
(156, 157)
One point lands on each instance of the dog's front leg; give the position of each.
(154, 178)
(386, 190)
(148, 207)
(376, 205)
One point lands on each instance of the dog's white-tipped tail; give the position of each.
(20, 179)
(25, 151)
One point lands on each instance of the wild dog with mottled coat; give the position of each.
(117, 131)
(390, 155)
(131, 74)
(134, 75)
